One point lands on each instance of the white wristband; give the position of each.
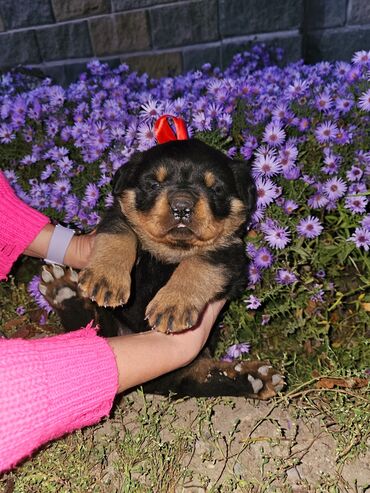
(58, 245)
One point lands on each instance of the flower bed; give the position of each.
(303, 129)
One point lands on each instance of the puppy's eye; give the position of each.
(217, 189)
(154, 185)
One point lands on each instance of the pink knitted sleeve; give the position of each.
(50, 387)
(19, 225)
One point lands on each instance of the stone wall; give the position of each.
(171, 36)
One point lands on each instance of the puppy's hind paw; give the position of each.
(58, 284)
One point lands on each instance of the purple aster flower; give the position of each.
(254, 273)
(20, 310)
(263, 258)
(292, 173)
(334, 188)
(252, 303)
(265, 319)
(354, 174)
(344, 105)
(325, 132)
(91, 196)
(331, 162)
(310, 227)
(361, 238)
(364, 101)
(285, 277)
(62, 186)
(323, 101)
(318, 295)
(317, 201)
(266, 165)
(289, 206)
(361, 57)
(356, 204)
(152, 109)
(278, 237)
(365, 222)
(273, 134)
(266, 191)
(236, 351)
(33, 289)
(7, 133)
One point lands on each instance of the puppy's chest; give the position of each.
(147, 278)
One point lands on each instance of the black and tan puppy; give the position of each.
(172, 242)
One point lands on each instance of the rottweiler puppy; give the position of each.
(171, 243)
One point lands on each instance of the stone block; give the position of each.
(159, 65)
(118, 5)
(16, 13)
(73, 9)
(184, 24)
(359, 12)
(290, 43)
(63, 41)
(336, 44)
(319, 14)
(18, 48)
(240, 17)
(120, 33)
(195, 57)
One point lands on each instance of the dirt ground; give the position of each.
(263, 447)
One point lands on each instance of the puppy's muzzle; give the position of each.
(182, 205)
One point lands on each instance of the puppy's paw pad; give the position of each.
(265, 382)
(58, 284)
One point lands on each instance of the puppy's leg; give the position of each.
(60, 288)
(178, 304)
(107, 278)
(207, 377)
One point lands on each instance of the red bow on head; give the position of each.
(164, 132)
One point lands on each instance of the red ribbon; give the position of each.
(164, 132)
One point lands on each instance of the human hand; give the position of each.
(79, 250)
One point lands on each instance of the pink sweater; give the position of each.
(51, 386)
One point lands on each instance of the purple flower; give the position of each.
(263, 258)
(33, 289)
(20, 310)
(356, 204)
(252, 303)
(254, 274)
(235, 351)
(278, 237)
(289, 206)
(266, 165)
(310, 227)
(365, 222)
(361, 238)
(325, 132)
(285, 277)
(273, 134)
(266, 191)
(334, 188)
(364, 101)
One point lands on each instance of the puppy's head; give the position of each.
(184, 196)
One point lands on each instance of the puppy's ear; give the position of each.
(123, 177)
(245, 184)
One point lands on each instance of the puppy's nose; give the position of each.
(182, 205)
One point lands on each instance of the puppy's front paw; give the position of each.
(106, 286)
(170, 312)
